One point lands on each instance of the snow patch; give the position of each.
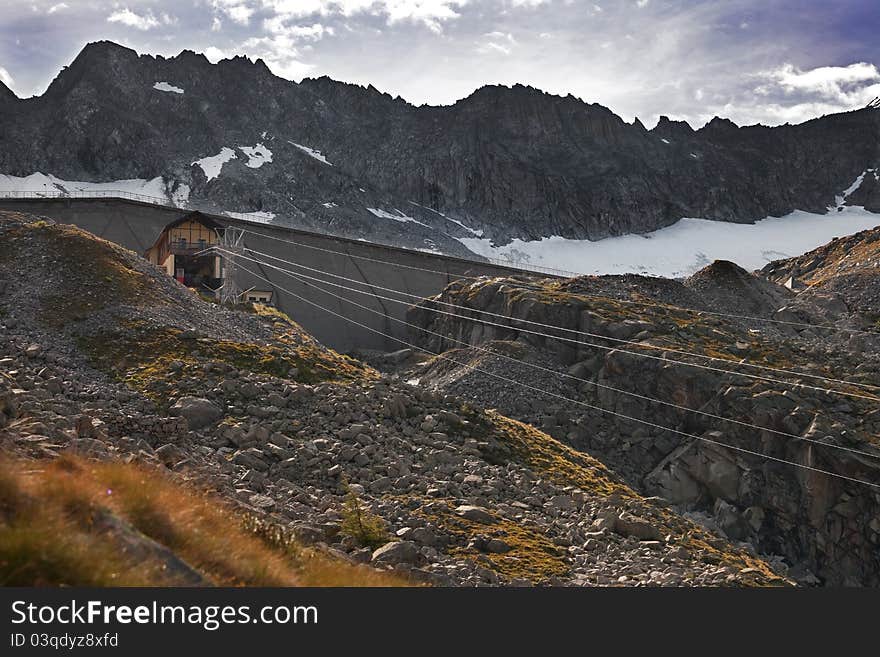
(665, 141)
(154, 189)
(179, 196)
(400, 216)
(164, 86)
(841, 199)
(475, 233)
(686, 246)
(259, 217)
(213, 164)
(329, 204)
(312, 152)
(257, 155)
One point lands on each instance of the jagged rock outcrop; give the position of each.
(837, 282)
(511, 162)
(605, 380)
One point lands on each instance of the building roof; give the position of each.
(197, 216)
(203, 219)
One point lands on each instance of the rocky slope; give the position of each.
(510, 162)
(840, 279)
(106, 357)
(827, 528)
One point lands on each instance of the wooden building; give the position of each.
(180, 247)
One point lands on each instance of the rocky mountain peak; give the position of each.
(719, 127)
(666, 127)
(514, 162)
(6, 94)
(192, 57)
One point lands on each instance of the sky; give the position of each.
(752, 61)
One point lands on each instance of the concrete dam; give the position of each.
(136, 225)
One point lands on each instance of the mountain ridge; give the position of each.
(507, 162)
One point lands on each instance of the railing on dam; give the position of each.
(119, 194)
(97, 193)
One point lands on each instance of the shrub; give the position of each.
(361, 524)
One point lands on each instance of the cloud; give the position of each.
(430, 13)
(146, 21)
(215, 54)
(59, 7)
(287, 35)
(5, 78)
(238, 11)
(501, 35)
(240, 14)
(282, 46)
(490, 47)
(843, 84)
(497, 42)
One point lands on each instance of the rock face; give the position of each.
(511, 162)
(617, 350)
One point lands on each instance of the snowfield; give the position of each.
(164, 86)
(312, 152)
(213, 164)
(690, 244)
(157, 188)
(686, 246)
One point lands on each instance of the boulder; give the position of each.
(475, 513)
(629, 525)
(497, 546)
(198, 412)
(8, 407)
(731, 521)
(397, 552)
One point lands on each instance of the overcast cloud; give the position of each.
(768, 61)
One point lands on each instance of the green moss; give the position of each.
(553, 460)
(151, 360)
(532, 556)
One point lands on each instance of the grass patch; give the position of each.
(54, 532)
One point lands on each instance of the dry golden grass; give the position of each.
(54, 532)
